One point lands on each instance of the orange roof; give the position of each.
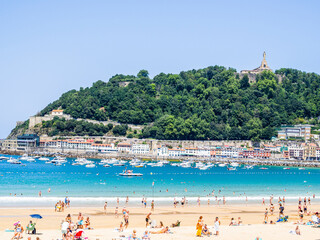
(57, 110)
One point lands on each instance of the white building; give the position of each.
(124, 147)
(175, 152)
(140, 148)
(104, 148)
(57, 112)
(162, 151)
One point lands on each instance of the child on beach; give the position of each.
(217, 226)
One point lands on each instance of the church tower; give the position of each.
(264, 64)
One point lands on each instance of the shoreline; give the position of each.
(244, 161)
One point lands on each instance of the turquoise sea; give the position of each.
(20, 184)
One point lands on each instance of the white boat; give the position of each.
(4, 158)
(91, 165)
(301, 168)
(43, 159)
(24, 157)
(118, 164)
(248, 167)
(232, 169)
(222, 165)
(13, 161)
(129, 173)
(30, 159)
(234, 164)
(106, 165)
(204, 168)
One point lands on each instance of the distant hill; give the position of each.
(211, 103)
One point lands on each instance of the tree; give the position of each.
(244, 82)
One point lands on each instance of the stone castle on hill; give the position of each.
(252, 74)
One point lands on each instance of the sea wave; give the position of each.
(133, 201)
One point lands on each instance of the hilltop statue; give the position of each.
(263, 66)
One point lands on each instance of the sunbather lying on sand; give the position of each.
(163, 230)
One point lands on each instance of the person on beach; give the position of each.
(271, 209)
(198, 201)
(80, 220)
(134, 235)
(199, 227)
(309, 201)
(105, 207)
(281, 210)
(205, 231)
(266, 215)
(18, 232)
(126, 219)
(121, 227)
(163, 230)
(224, 200)
(263, 202)
(69, 235)
(117, 201)
(217, 226)
(152, 205)
(87, 224)
(40, 194)
(146, 236)
(239, 221)
(148, 219)
(116, 212)
(208, 201)
(233, 222)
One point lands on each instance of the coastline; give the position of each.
(248, 161)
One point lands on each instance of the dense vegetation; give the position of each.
(210, 103)
(64, 127)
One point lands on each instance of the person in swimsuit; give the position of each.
(18, 232)
(148, 219)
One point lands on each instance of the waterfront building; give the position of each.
(175, 152)
(296, 152)
(27, 141)
(9, 144)
(103, 148)
(77, 144)
(255, 153)
(140, 148)
(124, 147)
(309, 151)
(162, 151)
(317, 153)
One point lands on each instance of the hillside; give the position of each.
(209, 103)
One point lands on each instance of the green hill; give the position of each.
(210, 103)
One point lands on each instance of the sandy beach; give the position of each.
(104, 224)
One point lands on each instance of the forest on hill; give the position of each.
(211, 103)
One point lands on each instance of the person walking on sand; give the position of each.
(152, 205)
(148, 219)
(266, 215)
(105, 207)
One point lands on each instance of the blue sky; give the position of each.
(50, 47)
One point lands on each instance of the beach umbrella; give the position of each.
(37, 216)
